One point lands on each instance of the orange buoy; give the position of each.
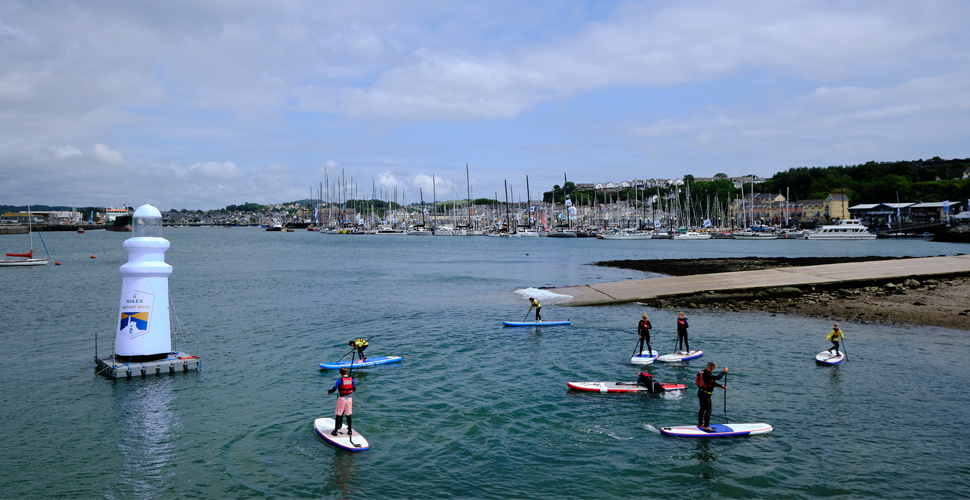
(57, 263)
(92, 256)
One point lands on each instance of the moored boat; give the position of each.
(846, 229)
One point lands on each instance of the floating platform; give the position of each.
(176, 362)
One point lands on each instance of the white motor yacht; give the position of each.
(846, 229)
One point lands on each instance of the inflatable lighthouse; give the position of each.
(143, 340)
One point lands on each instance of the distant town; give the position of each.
(877, 194)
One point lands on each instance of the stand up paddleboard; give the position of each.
(678, 357)
(323, 428)
(826, 358)
(535, 323)
(645, 358)
(609, 387)
(720, 430)
(377, 360)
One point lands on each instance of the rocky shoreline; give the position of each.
(941, 302)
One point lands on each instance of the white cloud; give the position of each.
(276, 86)
(108, 156)
(63, 152)
(829, 125)
(215, 170)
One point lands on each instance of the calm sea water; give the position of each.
(475, 410)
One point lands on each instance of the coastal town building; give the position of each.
(836, 206)
(875, 214)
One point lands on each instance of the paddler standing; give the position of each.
(643, 329)
(834, 337)
(345, 387)
(535, 304)
(705, 381)
(682, 332)
(360, 345)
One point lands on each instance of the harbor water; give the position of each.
(476, 410)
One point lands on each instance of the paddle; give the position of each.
(349, 430)
(725, 399)
(845, 352)
(345, 355)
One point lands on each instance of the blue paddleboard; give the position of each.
(719, 430)
(534, 323)
(377, 360)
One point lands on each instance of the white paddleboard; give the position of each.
(323, 428)
(719, 430)
(609, 387)
(681, 356)
(644, 359)
(826, 358)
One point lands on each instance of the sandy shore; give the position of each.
(943, 303)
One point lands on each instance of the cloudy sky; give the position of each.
(202, 103)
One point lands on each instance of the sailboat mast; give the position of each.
(564, 198)
(30, 230)
(528, 201)
(468, 186)
(421, 193)
(507, 221)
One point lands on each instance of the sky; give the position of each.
(200, 104)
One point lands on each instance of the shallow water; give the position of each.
(475, 409)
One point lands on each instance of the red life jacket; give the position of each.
(346, 386)
(645, 374)
(699, 380)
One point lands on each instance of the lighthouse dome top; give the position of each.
(147, 222)
(147, 210)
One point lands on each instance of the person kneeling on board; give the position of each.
(834, 337)
(345, 387)
(643, 329)
(646, 380)
(360, 345)
(705, 381)
(535, 304)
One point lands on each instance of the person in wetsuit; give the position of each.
(535, 304)
(834, 337)
(705, 388)
(682, 332)
(345, 387)
(643, 329)
(646, 380)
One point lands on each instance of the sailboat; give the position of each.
(27, 259)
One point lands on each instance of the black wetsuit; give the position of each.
(644, 331)
(704, 395)
(682, 334)
(646, 380)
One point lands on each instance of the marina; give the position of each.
(475, 403)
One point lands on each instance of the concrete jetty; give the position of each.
(620, 292)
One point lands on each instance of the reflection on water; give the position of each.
(146, 446)
(835, 380)
(342, 474)
(703, 453)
